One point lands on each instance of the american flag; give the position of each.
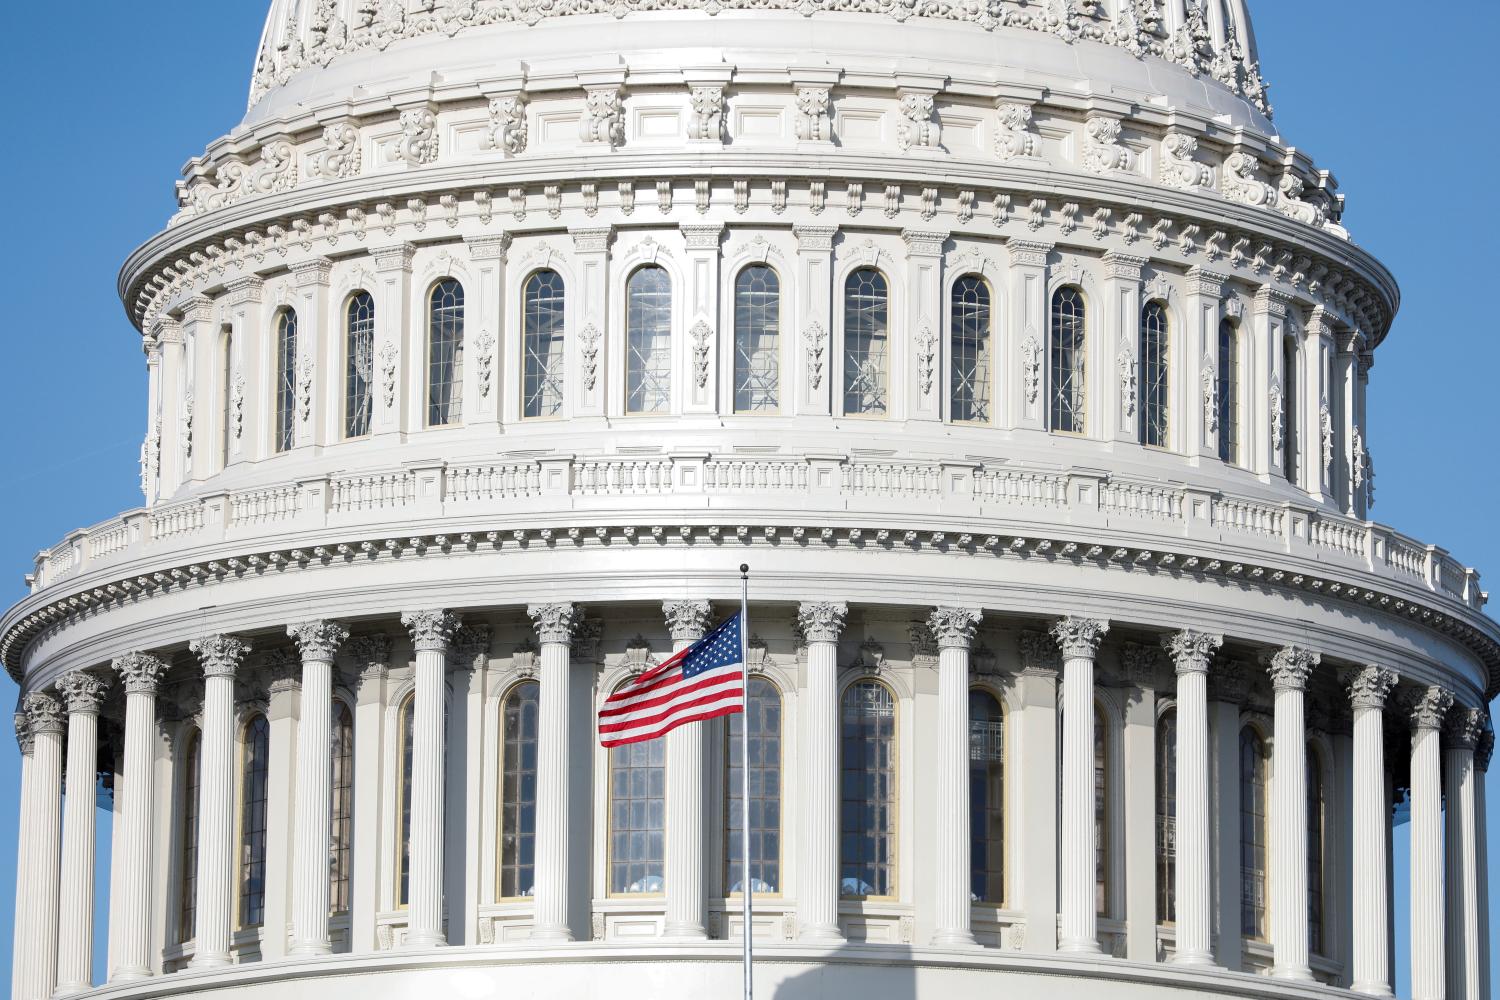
(704, 681)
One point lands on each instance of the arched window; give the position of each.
(340, 853)
(226, 394)
(1101, 813)
(542, 312)
(359, 363)
(187, 898)
(1229, 392)
(1254, 853)
(757, 340)
(764, 814)
(648, 340)
(1292, 446)
(1166, 817)
(986, 798)
(255, 754)
(1069, 358)
(518, 729)
(403, 832)
(1155, 408)
(970, 351)
(445, 354)
(866, 329)
(637, 817)
(867, 814)
(1316, 837)
(286, 379)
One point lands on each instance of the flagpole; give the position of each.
(746, 886)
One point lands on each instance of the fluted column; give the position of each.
(431, 631)
(220, 656)
(1428, 710)
(687, 621)
(1079, 640)
(821, 623)
(39, 949)
(312, 835)
(130, 914)
(371, 656)
(1191, 653)
(20, 966)
(1370, 827)
(953, 628)
(83, 692)
(1290, 668)
(1460, 735)
(1483, 751)
(554, 629)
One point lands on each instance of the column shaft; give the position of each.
(1370, 822)
(140, 673)
(75, 950)
(1079, 639)
(40, 948)
(313, 823)
(1461, 855)
(1194, 917)
(550, 921)
(1427, 918)
(425, 927)
(213, 908)
(819, 891)
(685, 910)
(20, 964)
(1290, 668)
(952, 891)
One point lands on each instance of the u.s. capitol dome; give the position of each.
(1010, 344)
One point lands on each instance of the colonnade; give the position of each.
(1449, 749)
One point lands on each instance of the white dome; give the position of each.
(315, 50)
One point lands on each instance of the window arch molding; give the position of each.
(895, 275)
(956, 269)
(768, 250)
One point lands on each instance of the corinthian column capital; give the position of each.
(822, 621)
(139, 672)
(1484, 749)
(1462, 728)
(1079, 638)
(1191, 651)
(954, 628)
(23, 730)
(554, 622)
(686, 620)
(1428, 707)
(1369, 686)
(318, 640)
(431, 631)
(44, 712)
(83, 691)
(1290, 667)
(220, 655)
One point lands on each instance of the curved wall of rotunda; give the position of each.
(1010, 344)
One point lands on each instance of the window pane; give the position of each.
(1166, 817)
(970, 351)
(1101, 814)
(986, 798)
(866, 327)
(757, 338)
(286, 379)
(1154, 358)
(542, 378)
(518, 790)
(1229, 393)
(445, 354)
(342, 825)
(637, 790)
(359, 367)
(255, 755)
(1315, 837)
(765, 791)
(187, 903)
(867, 759)
(1253, 852)
(1069, 353)
(648, 337)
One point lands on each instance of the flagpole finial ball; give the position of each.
(744, 569)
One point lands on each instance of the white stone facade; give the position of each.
(1011, 346)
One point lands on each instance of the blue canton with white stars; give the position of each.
(719, 648)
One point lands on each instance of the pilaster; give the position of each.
(697, 360)
(555, 624)
(1023, 357)
(588, 358)
(1265, 441)
(491, 371)
(1034, 884)
(811, 331)
(920, 353)
(395, 356)
(1114, 362)
(821, 622)
(1196, 395)
(371, 656)
(318, 374)
(1079, 640)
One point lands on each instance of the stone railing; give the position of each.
(807, 489)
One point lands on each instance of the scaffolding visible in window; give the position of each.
(757, 340)
(1069, 361)
(359, 367)
(445, 354)
(286, 380)
(648, 341)
(542, 317)
(1229, 392)
(866, 332)
(1155, 347)
(970, 351)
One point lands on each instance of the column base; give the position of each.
(309, 949)
(426, 940)
(559, 935)
(1298, 973)
(218, 961)
(130, 975)
(1372, 989)
(954, 939)
(821, 934)
(1197, 960)
(684, 932)
(1084, 947)
(71, 989)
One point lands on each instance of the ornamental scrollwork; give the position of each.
(1191, 651)
(82, 691)
(1178, 168)
(418, 144)
(707, 121)
(703, 337)
(603, 119)
(813, 337)
(1015, 137)
(1278, 417)
(1290, 667)
(926, 358)
(1102, 151)
(1294, 206)
(44, 713)
(1325, 426)
(1463, 727)
(1031, 368)
(484, 347)
(1241, 180)
(1209, 379)
(588, 342)
(916, 127)
(341, 156)
(555, 622)
(1370, 686)
(507, 127)
(318, 640)
(954, 628)
(431, 630)
(813, 121)
(687, 621)
(1125, 363)
(388, 356)
(219, 655)
(139, 672)
(1428, 707)
(306, 371)
(237, 405)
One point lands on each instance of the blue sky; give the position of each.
(104, 116)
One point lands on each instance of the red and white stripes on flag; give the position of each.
(704, 681)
